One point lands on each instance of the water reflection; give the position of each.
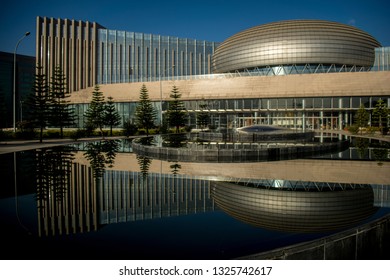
(101, 155)
(144, 165)
(175, 140)
(175, 168)
(306, 210)
(372, 149)
(53, 167)
(101, 193)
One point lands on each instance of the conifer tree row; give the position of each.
(101, 113)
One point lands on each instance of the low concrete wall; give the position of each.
(281, 135)
(367, 242)
(237, 155)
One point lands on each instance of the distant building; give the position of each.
(298, 73)
(25, 70)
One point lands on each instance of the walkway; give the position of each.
(11, 146)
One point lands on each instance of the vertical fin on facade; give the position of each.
(71, 45)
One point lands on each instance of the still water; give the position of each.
(100, 200)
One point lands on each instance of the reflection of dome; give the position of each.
(295, 42)
(294, 211)
(263, 129)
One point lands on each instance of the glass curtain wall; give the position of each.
(299, 113)
(138, 57)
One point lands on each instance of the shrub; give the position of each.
(129, 128)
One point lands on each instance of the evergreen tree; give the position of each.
(39, 102)
(145, 113)
(361, 117)
(62, 114)
(203, 117)
(177, 114)
(112, 117)
(380, 116)
(95, 113)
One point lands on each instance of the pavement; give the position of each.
(11, 146)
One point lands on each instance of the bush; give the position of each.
(4, 135)
(77, 134)
(129, 129)
(354, 129)
(52, 133)
(25, 130)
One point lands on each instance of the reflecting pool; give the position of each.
(101, 200)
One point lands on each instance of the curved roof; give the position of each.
(295, 211)
(295, 42)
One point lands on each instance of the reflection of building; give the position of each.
(77, 209)
(121, 196)
(255, 77)
(381, 195)
(127, 196)
(295, 210)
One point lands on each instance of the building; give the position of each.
(299, 73)
(24, 74)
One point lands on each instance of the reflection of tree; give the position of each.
(52, 170)
(175, 140)
(381, 151)
(111, 148)
(101, 154)
(175, 168)
(144, 165)
(146, 141)
(361, 145)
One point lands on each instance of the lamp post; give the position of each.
(161, 114)
(14, 84)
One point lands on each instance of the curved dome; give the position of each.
(295, 211)
(295, 42)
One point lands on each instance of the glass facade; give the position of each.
(124, 57)
(104, 56)
(297, 113)
(382, 59)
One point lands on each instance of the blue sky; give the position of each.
(212, 20)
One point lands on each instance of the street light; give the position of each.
(161, 114)
(14, 85)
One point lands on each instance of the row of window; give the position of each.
(285, 103)
(279, 111)
(128, 56)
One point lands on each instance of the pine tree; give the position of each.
(361, 117)
(39, 102)
(95, 113)
(112, 117)
(145, 113)
(380, 116)
(203, 117)
(177, 114)
(62, 114)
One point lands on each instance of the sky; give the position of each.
(210, 20)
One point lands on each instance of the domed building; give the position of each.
(301, 74)
(296, 46)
